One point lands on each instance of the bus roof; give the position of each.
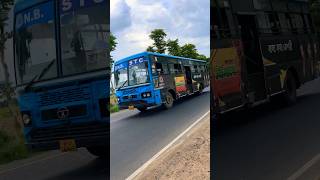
(152, 53)
(23, 4)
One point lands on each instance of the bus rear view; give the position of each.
(150, 79)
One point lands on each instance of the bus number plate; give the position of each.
(68, 145)
(131, 107)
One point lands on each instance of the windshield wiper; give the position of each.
(28, 86)
(122, 84)
(46, 69)
(38, 77)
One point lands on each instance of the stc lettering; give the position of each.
(68, 5)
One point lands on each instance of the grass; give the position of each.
(114, 104)
(114, 108)
(4, 113)
(12, 145)
(12, 148)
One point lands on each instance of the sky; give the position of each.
(133, 20)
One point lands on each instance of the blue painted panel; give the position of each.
(36, 15)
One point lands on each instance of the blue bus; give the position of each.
(148, 79)
(61, 68)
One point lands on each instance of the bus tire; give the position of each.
(143, 109)
(290, 87)
(99, 151)
(168, 101)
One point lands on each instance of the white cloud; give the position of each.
(187, 20)
(120, 14)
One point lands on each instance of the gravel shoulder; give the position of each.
(189, 158)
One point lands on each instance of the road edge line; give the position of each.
(304, 168)
(146, 164)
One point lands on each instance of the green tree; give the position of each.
(189, 51)
(150, 49)
(159, 43)
(315, 12)
(173, 47)
(113, 44)
(5, 6)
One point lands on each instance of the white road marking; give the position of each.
(146, 164)
(31, 163)
(304, 168)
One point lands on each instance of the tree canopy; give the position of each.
(172, 47)
(113, 44)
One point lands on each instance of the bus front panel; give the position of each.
(139, 97)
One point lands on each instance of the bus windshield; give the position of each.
(83, 39)
(35, 43)
(131, 73)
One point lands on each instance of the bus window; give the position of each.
(159, 68)
(192, 69)
(121, 76)
(162, 68)
(268, 22)
(171, 68)
(195, 68)
(161, 65)
(264, 23)
(284, 22)
(202, 69)
(221, 20)
(83, 39)
(310, 22)
(165, 68)
(36, 51)
(297, 23)
(274, 22)
(177, 68)
(138, 73)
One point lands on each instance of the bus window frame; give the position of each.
(164, 65)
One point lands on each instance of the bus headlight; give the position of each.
(26, 119)
(146, 95)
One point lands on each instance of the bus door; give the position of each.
(254, 69)
(188, 75)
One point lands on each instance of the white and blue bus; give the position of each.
(61, 64)
(150, 79)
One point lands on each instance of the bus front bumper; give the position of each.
(84, 136)
(136, 104)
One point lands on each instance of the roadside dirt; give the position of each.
(188, 159)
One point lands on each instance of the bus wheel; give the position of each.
(100, 151)
(143, 109)
(169, 101)
(290, 94)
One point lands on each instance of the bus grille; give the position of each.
(74, 111)
(69, 132)
(64, 96)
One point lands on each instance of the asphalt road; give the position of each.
(54, 165)
(271, 142)
(135, 138)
